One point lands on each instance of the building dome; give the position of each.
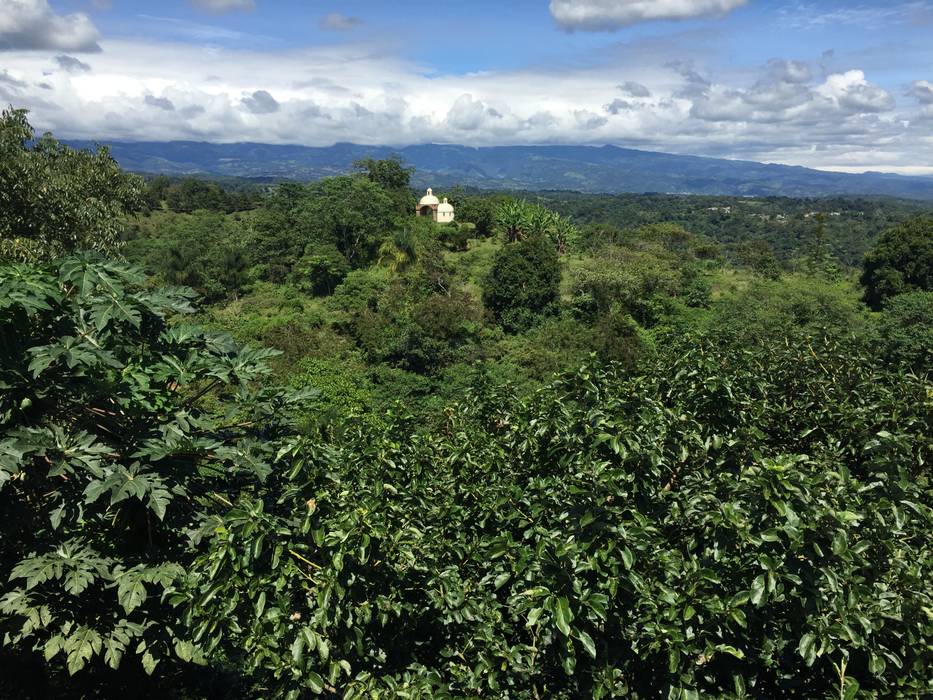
(429, 200)
(445, 212)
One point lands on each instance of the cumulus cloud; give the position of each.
(468, 114)
(589, 120)
(337, 22)
(922, 90)
(617, 106)
(630, 87)
(72, 64)
(853, 93)
(221, 6)
(159, 102)
(32, 24)
(789, 71)
(261, 102)
(608, 15)
(784, 93)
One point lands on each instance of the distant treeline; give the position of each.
(792, 227)
(188, 194)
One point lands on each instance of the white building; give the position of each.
(441, 212)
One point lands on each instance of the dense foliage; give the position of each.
(730, 523)
(186, 195)
(524, 281)
(901, 261)
(669, 453)
(787, 225)
(114, 426)
(54, 199)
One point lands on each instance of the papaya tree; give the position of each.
(118, 427)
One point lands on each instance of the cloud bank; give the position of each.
(787, 111)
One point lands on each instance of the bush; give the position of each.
(901, 261)
(321, 269)
(523, 283)
(906, 329)
(731, 523)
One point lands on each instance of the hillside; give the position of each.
(606, 169)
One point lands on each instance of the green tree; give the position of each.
(389, 173)
(352, 214)
(759, 256)
(901, 261)
(524, 282)
(321, 269)
(54, 199)
(906, 329)
(394, 179)
(111, 446)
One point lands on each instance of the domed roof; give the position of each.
(445, 206)
(429, 199)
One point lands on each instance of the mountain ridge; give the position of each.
(592, 169)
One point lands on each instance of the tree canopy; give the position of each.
(54, 199)
(901, 261)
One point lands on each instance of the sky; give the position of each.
(825, 84)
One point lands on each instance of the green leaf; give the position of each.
(184, 650)
(563, 616)
(876, 664)
(807, 648)
(587, 641)
(149, 662)
(759, 587)
(314, 682)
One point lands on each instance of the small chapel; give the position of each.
(440, 212)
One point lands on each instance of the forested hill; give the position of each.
(580, 168)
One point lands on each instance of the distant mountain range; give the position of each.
(602, 169)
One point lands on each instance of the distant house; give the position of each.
(440, 212)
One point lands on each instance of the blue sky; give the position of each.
(837, 85)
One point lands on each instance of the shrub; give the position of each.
(523, 282)
(321, 269)
(901, 261)
(108, 449)
(731, 523)
(906, 329)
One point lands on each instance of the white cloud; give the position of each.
(72, 64)
(467, 114)
(608, 15)
(261, 102)
(32, 24)
(775, 114)
(160, 103)
(339, 23)
(630, 87)
(853, 93)
(222, 6)
(922, 90)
